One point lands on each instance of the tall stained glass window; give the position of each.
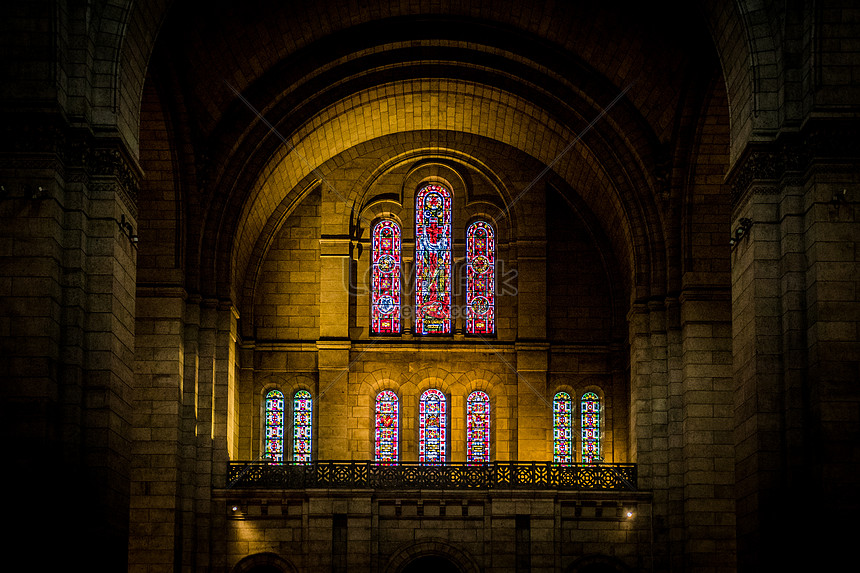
(480, 278)
(478, 427)
(387, 427)
(433, 260)
(302, 422)
(385, 281)
(275, 425)
(590, 406)
(562, 428)
(432, 427)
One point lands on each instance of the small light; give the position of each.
(629, 514)
(235, 508)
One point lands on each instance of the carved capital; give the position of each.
(767, 167)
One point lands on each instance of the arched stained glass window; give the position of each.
(562, 428)
(432, 427)
(302, 422)
(478, 427)
(590, 421)
(385, 282)
(480, 278)
(275, 425)
(433, 260)
(387, 427)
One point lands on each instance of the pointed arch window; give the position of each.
(562, 428)
(478, 427)
(275, 425)
(387, 444)
(385, 282)
(433, 260)
(432, 427)
(480, 278)
(590, 421)
(302, 426)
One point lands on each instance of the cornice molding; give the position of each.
(46, 142)
(766, 167)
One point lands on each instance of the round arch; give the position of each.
(433, 551)
(263, 563)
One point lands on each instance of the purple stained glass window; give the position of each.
(480, 278)
(385, 285)
(432, 427)
(275, 426)
(387, 427)
(433, 260)
(302, 422)
(478, 427)
(562, 428)
(590, 406)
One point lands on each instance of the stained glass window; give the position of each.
(387, 426)
(590, 428)
(480, 278)
(302, 418)
(385, 282)
(432, 427)
(562, 428)
(275, 426)
(433, 260)
(478, 427)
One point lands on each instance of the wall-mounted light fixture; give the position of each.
(741, 231)
(840, 198)
(126, 228)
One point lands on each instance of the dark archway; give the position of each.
(431, 564)
(263, 563)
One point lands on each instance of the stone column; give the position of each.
(795, 315)
(649, 417)
(534, 409)
(157, 424)
(334, 347)
(706, 412)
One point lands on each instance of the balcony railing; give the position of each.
(412, 475)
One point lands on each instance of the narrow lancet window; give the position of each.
(387, 447)
(385, 280)
(590, 421)
(562, 428)
(432, 427)
(275, 426)
(480, 278)
(302, 426)
(478, 427)
(433, 260)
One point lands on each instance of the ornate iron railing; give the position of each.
(412, 475)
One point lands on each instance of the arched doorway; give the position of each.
(431, 564)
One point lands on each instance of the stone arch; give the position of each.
(626, 223)
(433, 546)
(263, 563)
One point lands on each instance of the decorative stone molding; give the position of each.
(791, 154)
(32, 141)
